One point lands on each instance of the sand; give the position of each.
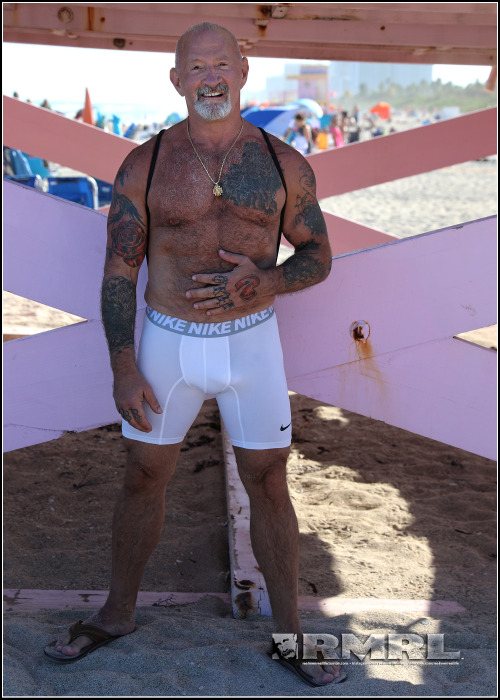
(383, 514)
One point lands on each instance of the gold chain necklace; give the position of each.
(217, 190)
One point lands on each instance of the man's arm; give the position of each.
(125, 253)
(305, 228)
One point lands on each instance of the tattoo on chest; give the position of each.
(254, 181)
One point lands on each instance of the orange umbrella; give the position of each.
(88, 112)
(382, 109)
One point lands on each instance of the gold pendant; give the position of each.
(217, 190)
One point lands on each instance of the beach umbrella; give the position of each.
(312, 106)
(172, 119)
(88, 112)
(382, 109)
(275, 120)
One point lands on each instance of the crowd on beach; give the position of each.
(337, 128)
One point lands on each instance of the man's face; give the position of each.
(210, 74)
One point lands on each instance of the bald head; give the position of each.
(199, 29)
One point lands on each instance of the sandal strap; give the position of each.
(79, 629)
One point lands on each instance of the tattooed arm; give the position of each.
(305, 228)
(125, 252)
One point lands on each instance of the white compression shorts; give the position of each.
(239, 362)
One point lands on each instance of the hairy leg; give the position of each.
(137, 524)
(275, 539)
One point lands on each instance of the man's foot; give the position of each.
(85, 637)
(314, 674)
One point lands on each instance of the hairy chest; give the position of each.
(182, 193)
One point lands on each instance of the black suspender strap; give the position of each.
(280, 172)
(151, 171)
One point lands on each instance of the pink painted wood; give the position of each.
(42, 133)
(398, 33)
(29, 600)
(406, 153)
(415, 295)
(346, 235)
(57, 381)
(56, 251)
(62, 140)
(252, 597)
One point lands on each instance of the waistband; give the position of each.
(208, 330)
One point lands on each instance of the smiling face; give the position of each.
(209, 73)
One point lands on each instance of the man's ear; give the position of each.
(176, 81)
(244, 70)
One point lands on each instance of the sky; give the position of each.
(61, 74)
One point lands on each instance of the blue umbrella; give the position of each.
(275, 120)
(312, 106)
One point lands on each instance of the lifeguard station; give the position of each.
(352, 342)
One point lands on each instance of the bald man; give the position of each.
(206, 201)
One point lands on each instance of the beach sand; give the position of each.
(383, 514)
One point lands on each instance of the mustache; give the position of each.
(201, 91)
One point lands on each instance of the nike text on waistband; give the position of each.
(208, 330)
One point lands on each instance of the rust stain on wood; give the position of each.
(245, 604)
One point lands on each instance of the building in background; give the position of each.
(325, 82)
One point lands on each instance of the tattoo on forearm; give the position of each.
(247, 285)
(118, 310)
(303, 268)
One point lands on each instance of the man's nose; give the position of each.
(212, 76)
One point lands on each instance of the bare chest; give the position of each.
(182, 200)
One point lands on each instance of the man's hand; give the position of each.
(130, 391)
(224, 291)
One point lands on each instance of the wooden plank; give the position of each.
(426, 148)
(31, 600)
(249, 594)
(410, 291)
(59, 381)
(443, 390)
(62, 140)
(346, 235)
(413, 295)
(36, 225)
(401, 33)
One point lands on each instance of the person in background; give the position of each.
(336, 131)
(299, 135)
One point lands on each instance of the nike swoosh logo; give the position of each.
(284, 428)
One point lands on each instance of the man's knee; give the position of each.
(263, 473)
(149, 466)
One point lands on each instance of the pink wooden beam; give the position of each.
(62, 140)
(249, 594)
(409, 299)
(31, 600)
(406, 153)
(346, 236)
(41, 223)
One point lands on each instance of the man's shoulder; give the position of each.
(290, 159)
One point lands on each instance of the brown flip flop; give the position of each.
(295, 665)
(98, 636)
